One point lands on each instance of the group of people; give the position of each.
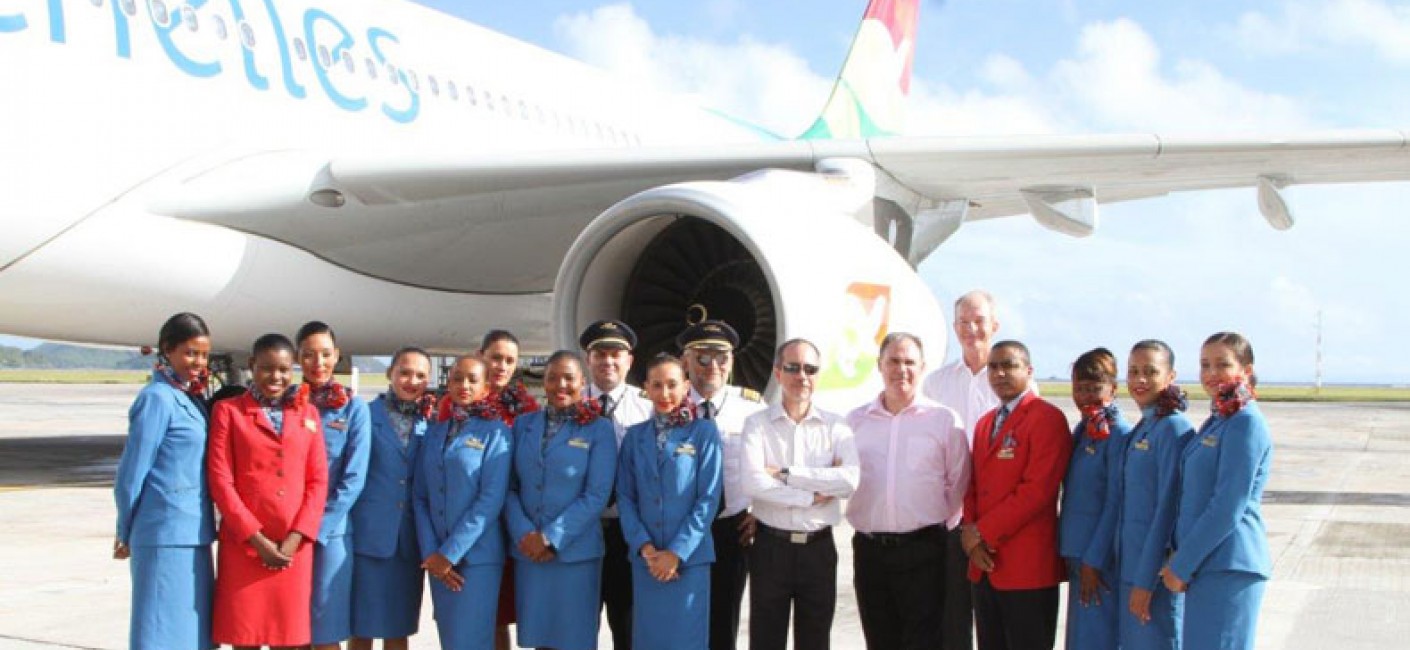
(660, 504)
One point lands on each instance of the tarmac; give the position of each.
(1337, 509)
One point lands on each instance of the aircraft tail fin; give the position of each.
(869, 96)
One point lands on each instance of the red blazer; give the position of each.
(266, 482)
(1013, 493)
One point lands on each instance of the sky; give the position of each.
(1177, 268)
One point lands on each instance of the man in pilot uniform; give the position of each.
(609, 344)
(708, 350)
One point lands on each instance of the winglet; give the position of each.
(869, 96)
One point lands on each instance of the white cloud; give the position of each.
(1380, 26)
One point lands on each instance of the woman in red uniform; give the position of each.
(269, 479)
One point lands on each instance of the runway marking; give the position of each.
(53, 486)
(50, 644)
(1303, 498)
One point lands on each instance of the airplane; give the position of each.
(411, 177)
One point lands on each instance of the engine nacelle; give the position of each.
(772, 254)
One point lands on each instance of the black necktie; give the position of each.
(999, 423)
(707, 410)
(608, 404)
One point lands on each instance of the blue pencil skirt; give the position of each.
(1163, 630)
(557, 603)
(674, 614)
(386, 596)
(172, 591)
(1094, 626)
(465, 618)
(1221, 610)
(331, 611)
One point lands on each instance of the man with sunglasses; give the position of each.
(798, 461)
(708, 350)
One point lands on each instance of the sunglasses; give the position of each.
(796, 368)
(707, 358)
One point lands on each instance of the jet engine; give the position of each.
(777, 254)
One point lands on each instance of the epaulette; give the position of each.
(751, 394)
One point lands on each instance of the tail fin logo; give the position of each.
(869, 96)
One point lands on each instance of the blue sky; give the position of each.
(1176, 268)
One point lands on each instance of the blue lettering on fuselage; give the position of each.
(377, 38)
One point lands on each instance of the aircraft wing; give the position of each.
(501, 223)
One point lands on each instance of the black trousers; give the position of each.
(617, 584)
(1015, 619)
(728, 575)
(957, 621)
(801, 577)
(900, 588)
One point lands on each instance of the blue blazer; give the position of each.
(460, 489)
(347, 440)
(1224, 468)
(162, 495)
(1087, 525)
(670, 498)
(382, 519)
(561, 491)
(1149, 491)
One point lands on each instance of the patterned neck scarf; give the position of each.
(420, 407)
(330, 396)
(195, 386)
(1099, 419)
(680, 416)
(554, 420)
(1232, 396)
(1172, 399)
(480, 408)
(514, 401)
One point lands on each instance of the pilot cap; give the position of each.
(608, 334)
(708, 334)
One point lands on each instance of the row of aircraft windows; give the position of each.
(520, 108)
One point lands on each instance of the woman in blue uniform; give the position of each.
(668, 491)
(347, 440)
(565, 460)
(460, 487)
(165, 523)
(1149, 484)
(386, 558)
(1221, 557)
(1087, 527)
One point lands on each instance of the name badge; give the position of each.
(340, 425)
(686, 449)
(1210, 440)
(1142, 445)
(1006, 453)
(311, 425)
(580, 443)
(475, 443)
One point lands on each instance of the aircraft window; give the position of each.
(433, 84)
(508, 108)
(371, 67)
(300, 50)
(247, 35)
(392, 75)
(129, 7)
(160, 15)
(489, 101)
(523, 110)
(220, 31)
(188, 16)
(324, 58)
(452, 90)
(413, 81)
(348, 62)
(470, 94)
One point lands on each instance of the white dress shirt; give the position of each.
(629, 408)
(730, 408)
(915, 467)
(968, 393)
(821, 457)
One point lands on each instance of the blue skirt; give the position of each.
(1221, 610)
(172, 591)
(1163, 630)
(557, 603)
(331, 612)
(1092, 626)
(386, 596)
(674, 614)
(465, 619)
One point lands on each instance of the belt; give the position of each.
(794, 536)
(897, 539)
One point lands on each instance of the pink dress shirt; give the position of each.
(915, 467)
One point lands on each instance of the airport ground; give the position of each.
(1338, 513)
